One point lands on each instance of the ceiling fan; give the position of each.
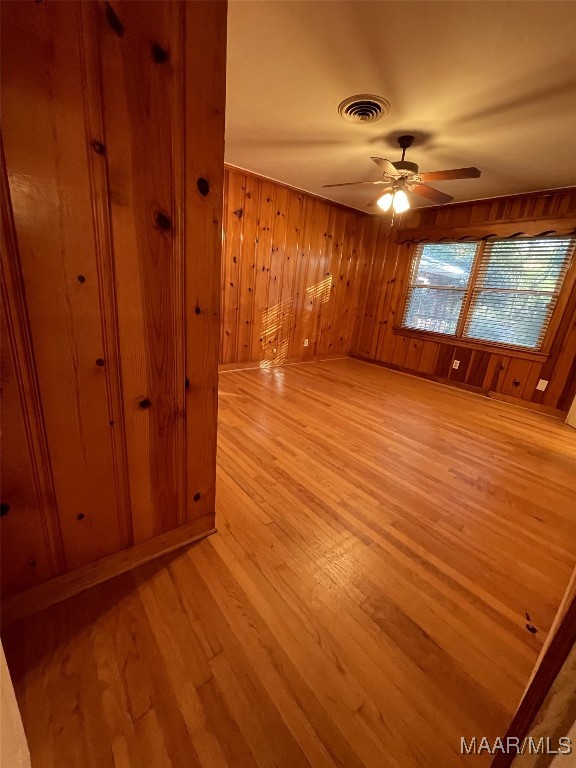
(403, 176)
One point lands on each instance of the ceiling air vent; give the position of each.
(364, 108)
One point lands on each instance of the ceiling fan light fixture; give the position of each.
(385, 201)
(400, 202)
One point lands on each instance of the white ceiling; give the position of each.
(488, 83)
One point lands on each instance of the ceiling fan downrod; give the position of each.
(405, 142)
(405, 165)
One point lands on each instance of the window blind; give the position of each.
(438, 283)
(497, 291)
(515, 290)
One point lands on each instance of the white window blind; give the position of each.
(516, 289)
(500, 291)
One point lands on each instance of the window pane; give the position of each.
(525, 264)
(434, 309)
(445, 264)
(516, 319)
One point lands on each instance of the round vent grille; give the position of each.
(363, 108)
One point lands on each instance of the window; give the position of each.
(500, 291)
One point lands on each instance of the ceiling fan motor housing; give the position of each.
(405, 166)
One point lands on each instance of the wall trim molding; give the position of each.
(72, 583)
(546, 409)
(544, 226)
(228, 367)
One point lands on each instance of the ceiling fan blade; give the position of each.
(374, 201)
(454, 173)
(351, 183)
(386, 166)
(430, 193)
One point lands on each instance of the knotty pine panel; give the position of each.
(139, 113)
(27, 560)
(262, 258)
(385, 269)
(463, 355)
(555, 204)
(29, 518)
(113, 131)
(289, 273)
(477, 368)
(203, 94)
(46, 149)
(349, 286)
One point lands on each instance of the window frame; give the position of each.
(457, 339)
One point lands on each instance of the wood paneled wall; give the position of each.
(112, 178)
(382, 289)
(289, 273)
(299, 268)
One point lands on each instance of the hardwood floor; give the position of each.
(363, 603)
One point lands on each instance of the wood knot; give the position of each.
(159, 54)
(4, 509)
(163, 221)
(100, 362)
(145, 403)
(113, 20)
(203, 186)
(98, 147)
(196, 496)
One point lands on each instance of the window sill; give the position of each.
(481, 346)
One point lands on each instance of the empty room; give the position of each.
(288, 378)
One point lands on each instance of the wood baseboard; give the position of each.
(43, 595)
(556, 413)
(224, 367)
(417, 375)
